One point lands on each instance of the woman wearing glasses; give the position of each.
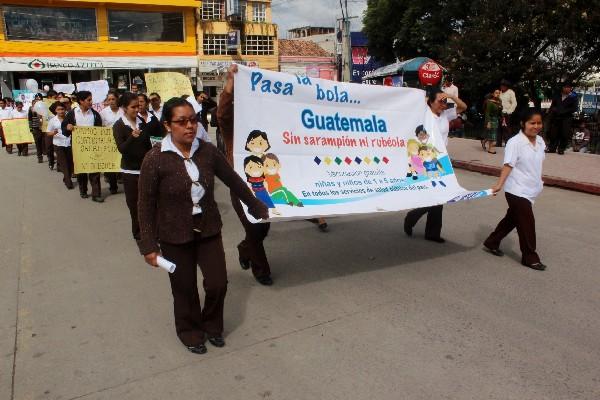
(438, 118)
(179, 218)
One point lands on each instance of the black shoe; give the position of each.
(551, 151)
(84, 195)
(114, 191)
(70, 187)
(537, 266)
(217, 341)
(496, 252)
(408, 229)
(19, 154)
(437, 239)
(51, 167)
(199, 349)
(561, 152)
(324, 227)
(245, 264)
(97, 199)
(40, 161)
(264, 280)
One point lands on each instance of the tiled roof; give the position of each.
(301, 48)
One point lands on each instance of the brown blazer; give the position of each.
(165, 204)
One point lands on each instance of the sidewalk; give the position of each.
(580, 172)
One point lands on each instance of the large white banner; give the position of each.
(312, 147)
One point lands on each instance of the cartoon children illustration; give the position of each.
(255, 175)
(257, 143)
(278, 192)
(415, 163)
(431, 164)
(423, 137)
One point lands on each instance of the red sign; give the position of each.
(430, 73)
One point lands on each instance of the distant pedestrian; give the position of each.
(62, 143)
(84, 115)
(581, 138)
(492, 116)
(179, 218)
(19, 112)
(110, 115)
(509, 105)
(35, 125)
(521, 178)
(156, 106)
(561, 112)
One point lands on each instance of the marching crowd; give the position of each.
(169, 189)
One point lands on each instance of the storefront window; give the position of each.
(138, 26)
(52, 24)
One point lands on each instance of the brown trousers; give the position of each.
(433, 227)
(64, 156)
(191, 321)
(130, 185)
(520, 216)
(82, 181)
(252, 247)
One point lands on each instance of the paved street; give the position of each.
(362, 312)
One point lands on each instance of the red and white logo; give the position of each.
(430, 73)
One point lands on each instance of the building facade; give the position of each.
(69, 41)
(234, 31)
(300, 57)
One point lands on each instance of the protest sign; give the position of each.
(312, 147)
(95, 150)
(66, 88)
(99, 90)
(24, 96)
(16, 131)
(168, 84)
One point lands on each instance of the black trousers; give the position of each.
(39, 139)
(252, 247)
(191, 321)
(49, 150)
(560, 133)
(64, 155)
(112, 178)
(94, 179)
(433, 227)
(23, 149)
(130, 185)
(520, 216)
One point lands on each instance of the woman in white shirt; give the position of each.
(19, 112)
(521, 178)
(110, 115)
(62, 144)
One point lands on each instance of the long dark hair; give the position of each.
(255, 134)
(432, 92)
(126, 99)
(254, 159)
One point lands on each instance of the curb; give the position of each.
(584, 187)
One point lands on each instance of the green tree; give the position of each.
(533, 42)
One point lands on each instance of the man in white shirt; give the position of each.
(450, 89)
(62, 145)
(509, 105)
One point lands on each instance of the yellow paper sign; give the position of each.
(16, 131)
(168, 84)
(95, 150)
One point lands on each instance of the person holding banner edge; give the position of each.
(251, 250)
(179, 218)
(84, 115)
(439, 115)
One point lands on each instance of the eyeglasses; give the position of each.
(185, 121)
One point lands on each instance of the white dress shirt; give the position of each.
(5, 113)
(197, 191)
(18, 114)
(526, 159)
(509, 101)
(59, 139)
(440, 123)
(109, 117)
(157, 113)
(84, 119)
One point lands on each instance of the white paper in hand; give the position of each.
(165, 264)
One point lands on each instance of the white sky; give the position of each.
(290, 14)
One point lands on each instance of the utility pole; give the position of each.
(346, 43)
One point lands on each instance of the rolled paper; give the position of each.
(165, 264)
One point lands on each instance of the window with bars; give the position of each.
(242, 15)
(259, 12)
(216, 45)
(259, 45)
(213, 10)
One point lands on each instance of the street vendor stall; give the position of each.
(416, 72)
